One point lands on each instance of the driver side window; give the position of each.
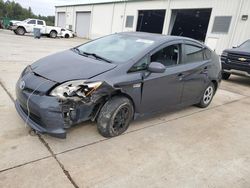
(140, 65)
(32, 22)
(168, 56)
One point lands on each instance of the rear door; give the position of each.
(41, 26)
(195, 75)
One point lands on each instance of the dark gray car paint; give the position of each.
(179, 85)
(68, 65)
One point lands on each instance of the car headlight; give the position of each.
(224, 54)
(26, 70)
(77, 88)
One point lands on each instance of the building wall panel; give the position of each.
(102, 16)
(111, 18)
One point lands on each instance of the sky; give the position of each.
(46, 7)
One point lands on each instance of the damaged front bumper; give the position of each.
(57, 130)
(46, 114)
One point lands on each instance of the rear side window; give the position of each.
(32, 22)
(196, 53)
(40, 22)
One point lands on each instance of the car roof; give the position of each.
(158, 38)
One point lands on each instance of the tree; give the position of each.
(15, 11)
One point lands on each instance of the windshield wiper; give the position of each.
(96, 56)
(86, 54)
(78, 51)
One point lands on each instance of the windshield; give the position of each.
(245, 45)
(116, 48)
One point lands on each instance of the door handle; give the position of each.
(205, 70)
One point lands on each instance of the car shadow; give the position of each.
(241, 80)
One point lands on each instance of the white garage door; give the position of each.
(61, 19)
(82, 24)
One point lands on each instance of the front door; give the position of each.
(163, 90)
(30, 26)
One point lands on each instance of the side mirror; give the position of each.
(156, 67)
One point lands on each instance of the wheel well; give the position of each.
(53, 30)
(104, 99)
(22, 28)
(66, 36)
(119, 93)
(215, 84)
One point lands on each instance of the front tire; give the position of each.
(20, 31)
(115, 116)
(66, 36)
(207, 96)
(53, 34)
(225, 75)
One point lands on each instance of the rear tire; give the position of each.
(207, 96)
(20, 31)
(53, 34)
(115, 116)
(225, 75)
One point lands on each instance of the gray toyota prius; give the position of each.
(115, 79)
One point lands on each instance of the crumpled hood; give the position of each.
(68, 65)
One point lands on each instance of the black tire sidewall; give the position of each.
(51, 34)
(20, 29)
(225, 76)
(202, 104)
(108, 112)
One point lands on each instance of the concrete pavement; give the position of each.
(192, 147)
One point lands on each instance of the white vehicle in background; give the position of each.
(13, 22)
(27, 26)
(65, 33)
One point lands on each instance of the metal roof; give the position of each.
(91, 2)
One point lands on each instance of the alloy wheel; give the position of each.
(208, 95)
